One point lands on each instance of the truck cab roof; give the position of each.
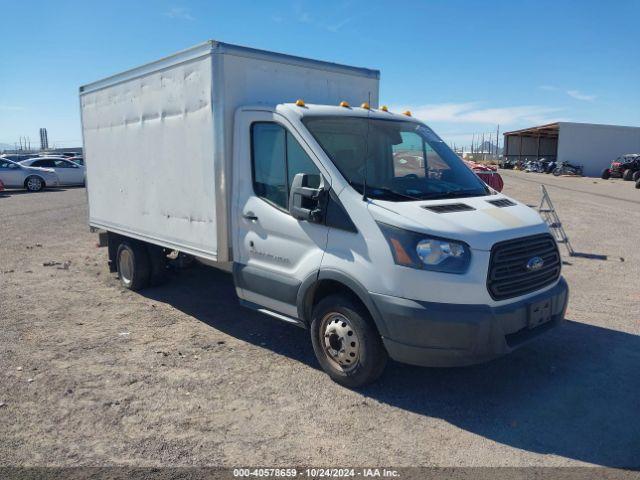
(310, 110)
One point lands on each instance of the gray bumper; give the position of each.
(447, 335)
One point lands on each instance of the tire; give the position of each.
(556, 172)
(627, 175)
(132, 261)
(336, 320)
(636, 176)
(606, 174)
(33, 183)
(157, 265)
(638, 184)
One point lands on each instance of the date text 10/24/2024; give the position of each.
(316, 472)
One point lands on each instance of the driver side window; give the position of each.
(276, 158)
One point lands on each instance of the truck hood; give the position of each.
(472, 220)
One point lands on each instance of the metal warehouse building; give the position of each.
(591, 145)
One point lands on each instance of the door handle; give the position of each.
(250, 216)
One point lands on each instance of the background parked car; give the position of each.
(626, 167)
(14, 175)
(487, 173)
(69, 173)
(16, 157)
(79, 160)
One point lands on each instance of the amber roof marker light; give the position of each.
(384, 108)
(300, 103)
(344, 104)
(407, 113)
(365, 105)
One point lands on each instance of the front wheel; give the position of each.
(346, 342)
(34, 184)
(636, 176)
(638, 184)
(606, 174)
(557, 172)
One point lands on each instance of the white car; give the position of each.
(15, 175)
(69, 173)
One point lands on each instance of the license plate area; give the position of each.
(539, 313)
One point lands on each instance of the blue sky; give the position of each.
(462, 66)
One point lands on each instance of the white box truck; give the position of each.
(350, 220)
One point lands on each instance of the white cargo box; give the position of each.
(158, 138)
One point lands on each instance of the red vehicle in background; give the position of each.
(1, 186)
(487, 173)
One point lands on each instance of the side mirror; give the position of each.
(306, 198)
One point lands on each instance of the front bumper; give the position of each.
(449, 335)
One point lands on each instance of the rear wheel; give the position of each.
(133, 265)
(557, 172)
(346, 342)
(636, 176)
(34, 184)
(606, 174)
(627, 175)
(638, 184)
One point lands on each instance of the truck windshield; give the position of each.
(403, 161)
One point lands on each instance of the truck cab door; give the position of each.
(273, 252)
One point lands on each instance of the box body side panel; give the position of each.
(149, 152)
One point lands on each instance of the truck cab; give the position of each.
(362, 224)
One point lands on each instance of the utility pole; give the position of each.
(497, 141)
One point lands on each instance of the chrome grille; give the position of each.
(508, 273)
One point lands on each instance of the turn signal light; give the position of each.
(300, 103)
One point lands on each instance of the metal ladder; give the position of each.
(548, 213)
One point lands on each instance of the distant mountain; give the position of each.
(487, 146)
(6, 146)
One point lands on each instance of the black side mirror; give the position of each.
(306, 198)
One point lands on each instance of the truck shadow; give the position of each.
(574, 394)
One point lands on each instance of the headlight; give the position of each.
(416, 250)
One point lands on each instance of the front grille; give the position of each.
(449, 207)
(508, 274)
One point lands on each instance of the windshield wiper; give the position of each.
(375, 191)
(454, 194)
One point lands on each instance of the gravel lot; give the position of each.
(92, 374)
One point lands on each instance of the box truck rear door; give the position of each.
(274, 252)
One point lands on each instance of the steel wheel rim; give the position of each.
(34, 183)
(125, 266)
(340, 342)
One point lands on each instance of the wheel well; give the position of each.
(323, 289)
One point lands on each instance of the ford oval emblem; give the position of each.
(535, 263)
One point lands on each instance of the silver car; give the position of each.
(68, 172)
(14, 175)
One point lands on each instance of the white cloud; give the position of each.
(581, 96)
(473, 112)
(338, 25)
(180, 13)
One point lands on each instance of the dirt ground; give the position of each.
(92, 374)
